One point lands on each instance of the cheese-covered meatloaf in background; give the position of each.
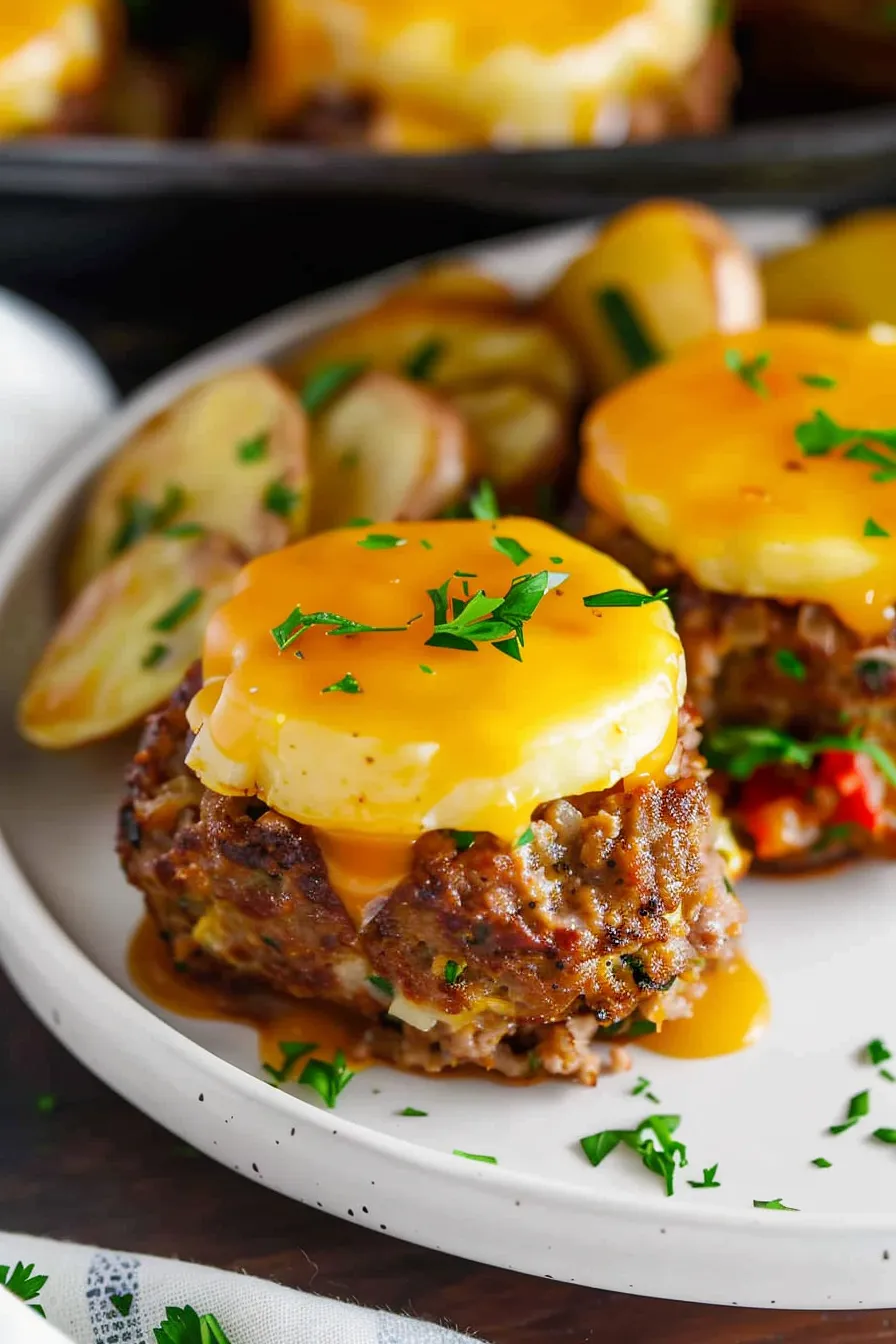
(487, 829)
(432, 75)
(54, 55)
(754, 476)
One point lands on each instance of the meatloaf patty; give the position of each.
(611, 910)
(761, 673)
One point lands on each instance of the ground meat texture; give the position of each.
(740, 656)
(619, 896)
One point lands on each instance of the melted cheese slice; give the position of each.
(49, 50)
(709, 471)
(475, 743)
(461, 72)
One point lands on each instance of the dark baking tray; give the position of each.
(821, 162)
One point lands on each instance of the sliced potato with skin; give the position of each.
(457, 284)
(127, 640)
(385, 449)
(472, 348)
(231, 454)
(658, 276)
(844, 276)
(525, 437)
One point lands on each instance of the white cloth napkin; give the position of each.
(82, 1281)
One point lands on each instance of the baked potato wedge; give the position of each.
(127, 640)
(843, 277)
(444, 346)
(231, 454)
(525, 437)
(659, 275)
(387, 448)
(457, 284)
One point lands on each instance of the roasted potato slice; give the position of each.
(387, 448)
(457, 284)
(459, 348)
(659, 275)
(127, 640)
(525, 437)
(844, 277)
(231, 455)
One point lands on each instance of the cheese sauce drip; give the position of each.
(708, 469)
(460, 72)
(49, 49)
(475, 742)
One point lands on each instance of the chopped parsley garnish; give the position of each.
(182, 1325)
(178, 612)
(359, 522)
(740, 750)
(428, 670)
(877, 1052)
(641, 1026)
(619, 313)
(254, 449)
(822, 434)
(526, 838)
(46, 1103)
(24, 1284)
(347, 684)
(327, 381)
(817, 380)
(777, 1204)
(291, 1052)
(139, 517)
(652, 1141)
(821, 1162)
(721, 14)
(412, 1110)
(497, 621)
(484, 502)
(421, 362)
(122, 1302)
(749, 371)
(888, 1076)
(788, 663)
(709, 1181)
(427, 545)
(884, 1135)
(154, 655)
(452, 972)
(328, 1080)
(184, 530)
(640, 975)
(556, 559)
(475, 1157)
(624, 597)
(382, 984)
(280, 498)
(873, 529)
(462, 839)
(298, 621)
(643, 1085)
(859, 1106)
(381, 541)
(511, 548)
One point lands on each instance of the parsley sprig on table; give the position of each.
(24, 1284)
(183, 1325)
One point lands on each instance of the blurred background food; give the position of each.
(431, 75)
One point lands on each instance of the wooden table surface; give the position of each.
(96, 1170)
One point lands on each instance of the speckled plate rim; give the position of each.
(743, 1258)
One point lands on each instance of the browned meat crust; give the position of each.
(619, 894)
(736, 675)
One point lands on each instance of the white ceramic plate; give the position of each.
(826, 946)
